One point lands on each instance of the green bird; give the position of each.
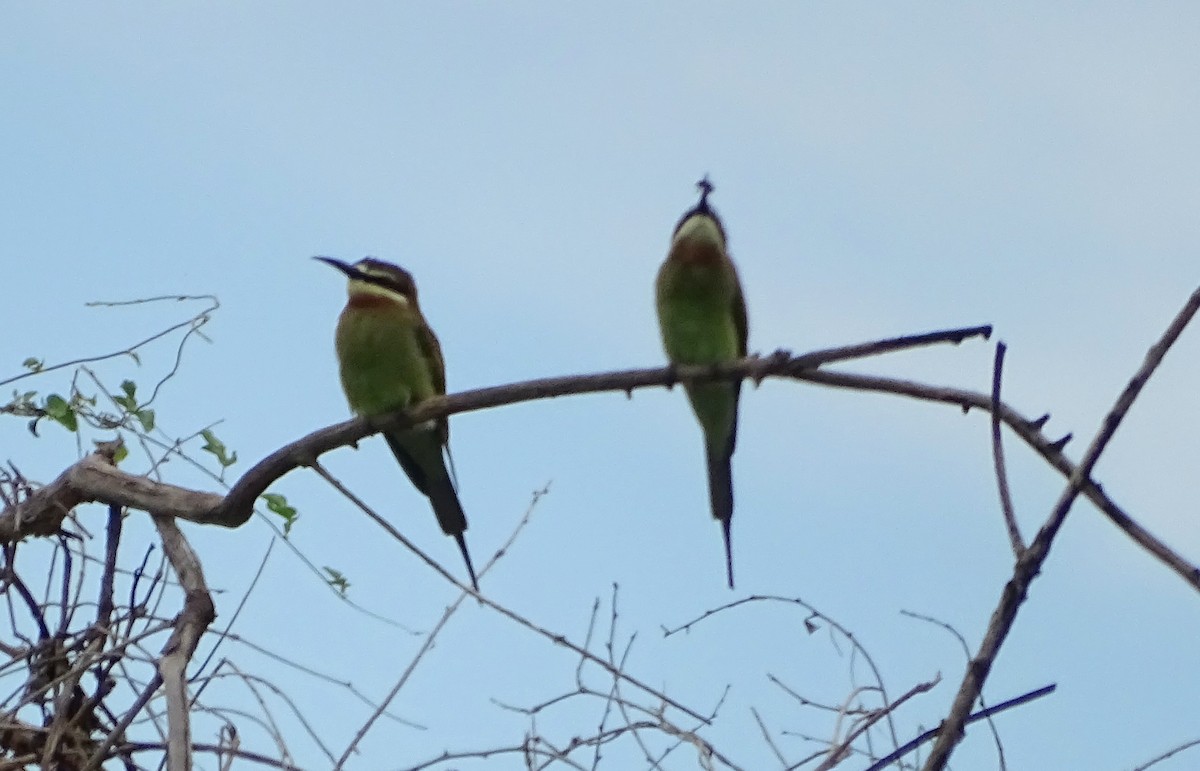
(391, 360)
(702, 318)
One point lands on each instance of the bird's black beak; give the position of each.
(344, 267)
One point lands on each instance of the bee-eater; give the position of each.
(702, 317)
(391, 360)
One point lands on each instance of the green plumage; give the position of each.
(390, 360)
(702, 318)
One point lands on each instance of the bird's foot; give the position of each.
(768, 365)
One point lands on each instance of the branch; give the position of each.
(1030, 431)
(198, 612)
(982, 714)
(90, 480)
(838, 753)
(42, 513)
(1006, 504)
(97, 478)
(1031, 560)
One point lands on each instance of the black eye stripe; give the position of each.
(387, 276)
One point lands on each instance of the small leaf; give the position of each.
(33, 365)
(121, 453)
(60, 411)
(215, 446)
(278, 504)
(129, 400)
(136, 359)
(146, 417)
(337, 580)
(69, 421)
(56, 405)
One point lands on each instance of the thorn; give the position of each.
(769, 365)
(629, 393)
(705, 187)
(1061, 443)
(966, 408)
(672, 376)
(1037, 424)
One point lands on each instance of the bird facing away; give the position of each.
(391, 360)
(702, 318)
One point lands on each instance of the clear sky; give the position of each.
(881, 169)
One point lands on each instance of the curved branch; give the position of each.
(94, 479)
(239, 503)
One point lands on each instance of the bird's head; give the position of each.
(372, 279)
(700, 223)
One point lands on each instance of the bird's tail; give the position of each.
(720, 494)
(450, 516)
(420, 453)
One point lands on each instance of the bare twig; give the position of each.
(966, 650)
(427, 645)
(196, 321)
(838, 753)
(858, 648)
(1006, 504)
(1169, 753)
(983, 714)
(766, 733)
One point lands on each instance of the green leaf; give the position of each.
(278, 504)
(337, 580)
(121, 454)
(129, 400)
(61, 412)
(215, 446)
(146, 417)
(33, 365)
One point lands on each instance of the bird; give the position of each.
(702, 319)
(389, 359)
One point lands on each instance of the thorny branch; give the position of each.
(1030, 562)
(91, 480)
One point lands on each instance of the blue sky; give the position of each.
(882, 169)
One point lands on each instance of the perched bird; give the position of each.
(390, 360)
(702, 317)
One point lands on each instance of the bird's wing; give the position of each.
(431, 350)
(739, 319)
